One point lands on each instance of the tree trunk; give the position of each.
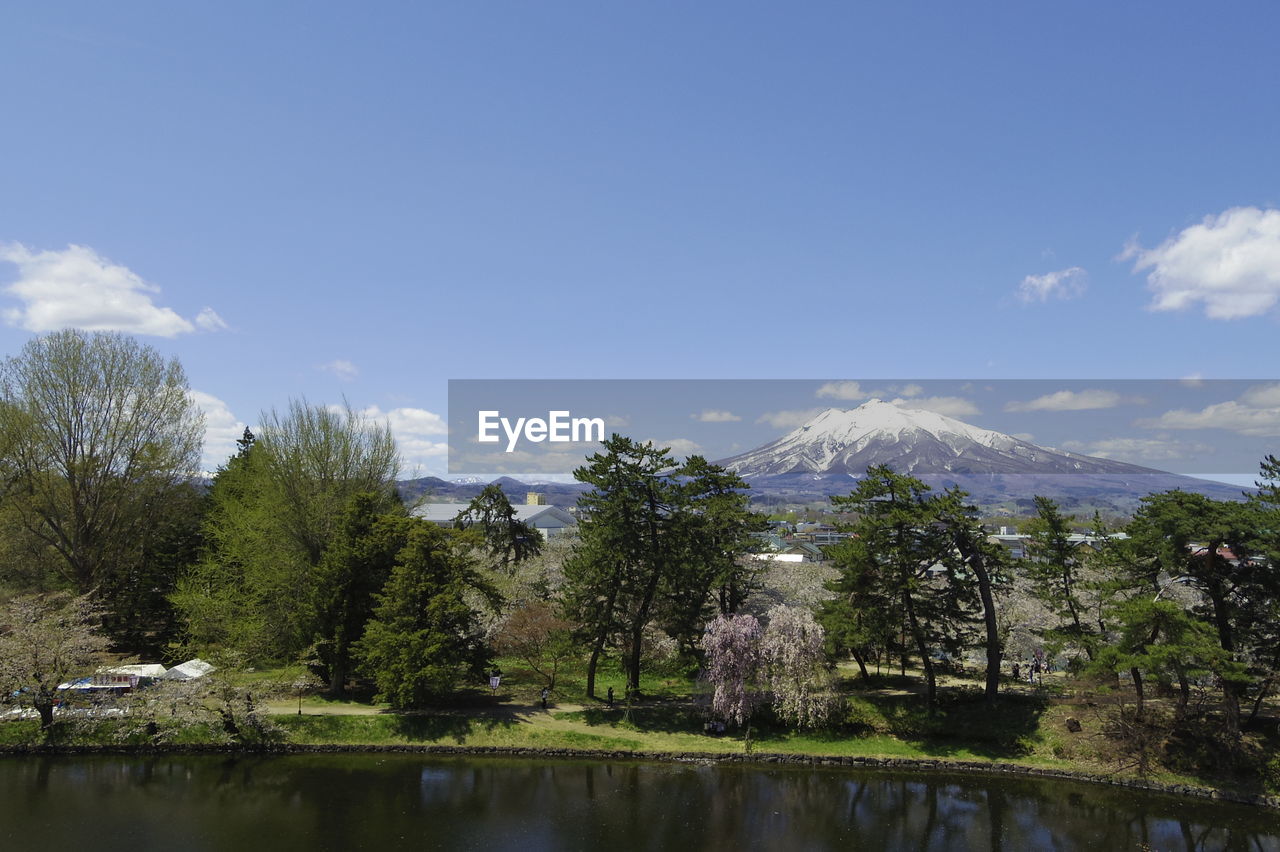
(596, 649)
(45, 709)
(862, 663)
(930, 680)
(1184, 692)
(1137, 689)
(973, 556)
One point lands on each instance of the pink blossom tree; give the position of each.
(732, 644)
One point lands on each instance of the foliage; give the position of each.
(657, 540)
(354, 567)
(536, 635)
(315, 480)
(318, 458)
(99, 436)
(507, 539)
(46, 641)
(423, 639)
(1055, 566)
(904, 555)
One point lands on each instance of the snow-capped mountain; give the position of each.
(911, 441)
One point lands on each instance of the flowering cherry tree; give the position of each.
(746, 663)
(732, 643)
(794, 666)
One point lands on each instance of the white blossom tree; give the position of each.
(45, 641)
(794, 666)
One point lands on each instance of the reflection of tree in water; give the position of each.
(398, 801)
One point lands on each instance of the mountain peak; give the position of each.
(910, 440)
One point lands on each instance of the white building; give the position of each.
(551, 521)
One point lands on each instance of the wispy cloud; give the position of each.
(713, 416)
(951, 406)
(681, 448)
(1256, 413)
(342, 369)
(789, 419)
(1062, 284)
(842, 390)
(1229, 263)
(1139, 449)
(1066, 400)
(78, 288)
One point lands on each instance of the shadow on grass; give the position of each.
(433, 728)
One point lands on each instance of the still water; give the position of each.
(401, 801)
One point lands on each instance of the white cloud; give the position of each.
(789, 419)
(342, 369)
(208, 320)
(1256, 413)
(1062, 284)
(951, 406)
(413, 429)
(1139, 449)
(910, 390)
(681, 448)
(712, 416)
(1065, 400)
(221, 429)
(77, 288)
(842, 390)
(1229, 262)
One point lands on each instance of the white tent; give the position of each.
(190, 670)
(140, 670)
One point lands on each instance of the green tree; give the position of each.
(985, 563)
(507, 538)
(905, 549)
(262, 585)
(354, 568)
(712, 535)
(1211, 546)
(100, 437)
(627, 542)
(1055, 567)
(424, 638)
(318, 458)
(251, 589)
(1160, 639)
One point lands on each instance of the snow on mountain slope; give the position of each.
(911, 441)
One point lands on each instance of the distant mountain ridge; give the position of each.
(911, 441)
(823, 456)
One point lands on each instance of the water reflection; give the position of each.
(413, 802)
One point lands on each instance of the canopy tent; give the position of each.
(190, 670)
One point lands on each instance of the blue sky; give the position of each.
(326, 200)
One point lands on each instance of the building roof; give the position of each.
(444, 513)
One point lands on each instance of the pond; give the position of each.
(405, 801)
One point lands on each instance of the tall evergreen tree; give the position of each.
(425, 638)
(907, 550)
(1055, 565)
